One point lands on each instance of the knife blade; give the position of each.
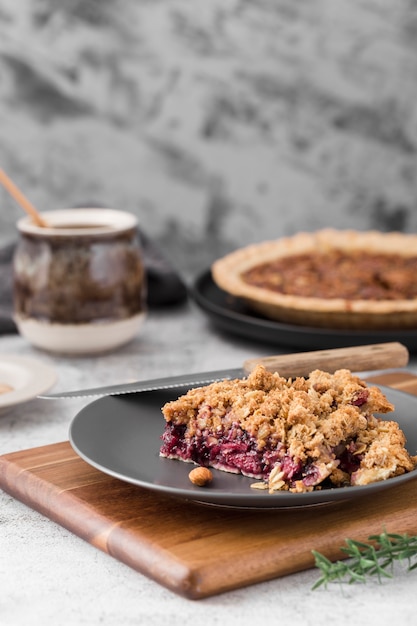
(358, 358)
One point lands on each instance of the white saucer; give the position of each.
(28, 377)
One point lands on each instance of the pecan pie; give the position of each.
(295, 435)
(330, 278)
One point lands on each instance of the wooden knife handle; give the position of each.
(376, 356)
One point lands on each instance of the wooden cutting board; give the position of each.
(198, 550)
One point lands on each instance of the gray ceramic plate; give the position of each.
(120, 435)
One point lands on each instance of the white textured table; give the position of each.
(48, 575)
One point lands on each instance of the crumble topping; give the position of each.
(295, 434)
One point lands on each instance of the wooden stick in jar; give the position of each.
(21, 199)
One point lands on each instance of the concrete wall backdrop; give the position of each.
(218, 122)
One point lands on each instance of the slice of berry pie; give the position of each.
(295, 435)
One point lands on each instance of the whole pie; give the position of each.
(328, 278)
(295, 435)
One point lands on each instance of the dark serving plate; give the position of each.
(233, 315)
(121, 436)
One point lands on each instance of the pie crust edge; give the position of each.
(319, 312)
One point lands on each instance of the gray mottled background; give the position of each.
(218, 122)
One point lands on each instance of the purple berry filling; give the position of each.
(237, 452)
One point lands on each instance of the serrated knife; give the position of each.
(358, 358)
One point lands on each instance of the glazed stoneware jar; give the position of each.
(79, 284)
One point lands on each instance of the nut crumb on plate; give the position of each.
(4, 388)
(200, 476)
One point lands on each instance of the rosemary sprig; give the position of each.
(368, 559)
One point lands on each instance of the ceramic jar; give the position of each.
(79, 284)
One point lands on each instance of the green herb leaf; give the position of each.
(373, 559)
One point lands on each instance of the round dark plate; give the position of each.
(233, 315)
(121, 436)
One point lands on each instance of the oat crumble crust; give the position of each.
(295, 434)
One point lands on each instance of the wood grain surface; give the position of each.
(197, 550)
(377, 356)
